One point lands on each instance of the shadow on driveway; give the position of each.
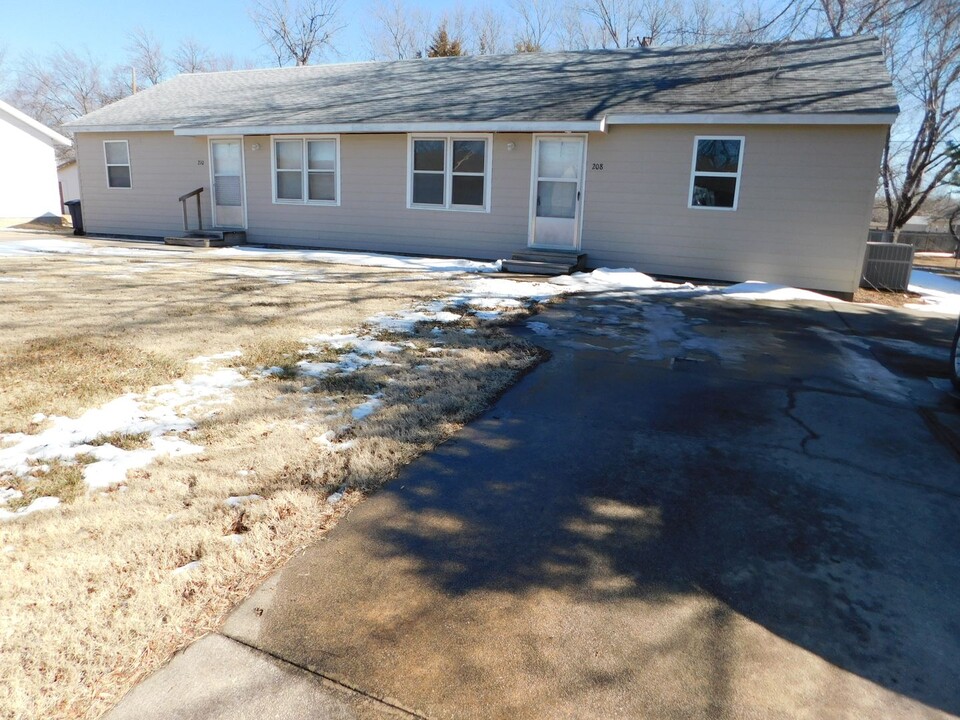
(696, 508)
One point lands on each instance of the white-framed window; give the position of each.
(306, 170)
(715, 176)
(449, 172)
(116, 153)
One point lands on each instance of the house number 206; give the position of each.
(199, 162)
(598, 166)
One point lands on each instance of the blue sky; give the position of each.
(222, 25)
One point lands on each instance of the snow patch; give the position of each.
(940, 294)
(236, 501)
(41, 503)
(392, 262)
(367, 408)
(757, 290)
(160, 412)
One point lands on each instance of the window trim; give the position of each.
(108, 165)
(304, 170)
(737, 175)
(448, 172)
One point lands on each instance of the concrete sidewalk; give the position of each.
(695, 509)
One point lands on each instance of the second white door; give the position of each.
(558, 191)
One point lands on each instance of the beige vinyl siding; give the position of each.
(805, 199)
(373, 212)
(162, 168)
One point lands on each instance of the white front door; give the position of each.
(226, 170)
(558, 190)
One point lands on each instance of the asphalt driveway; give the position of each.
(697, 508)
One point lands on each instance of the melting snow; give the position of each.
(41, 503)
(940, 294)
(160, 412)
(756, 290)
(394, 262)
(366, 409)
(236, 501)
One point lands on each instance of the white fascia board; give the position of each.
(753, 119)
(397, 127)
(30, 122)
(119, 128)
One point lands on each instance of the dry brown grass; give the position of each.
(90, 604)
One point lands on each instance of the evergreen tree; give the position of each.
(443, 45)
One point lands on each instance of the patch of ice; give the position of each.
(233, 539)
(862, 368)
(367, 408)
(488, 314)
(236, 501)
(8, 549)
(541, 328)
(38, 418)
(393, 262)
(41, 503)
(334, 498)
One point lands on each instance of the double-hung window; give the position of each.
(715, 181)
(117, 156)
(306, 170)
(450, 172)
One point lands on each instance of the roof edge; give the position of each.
(31, 123)
(839, 118)
(399, 127)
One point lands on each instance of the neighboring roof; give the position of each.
(843, 78)
(25, 119)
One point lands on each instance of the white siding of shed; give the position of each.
(28, 174)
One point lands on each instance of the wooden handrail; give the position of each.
(190, 194)
(183, 203)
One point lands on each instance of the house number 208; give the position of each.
(598, 166)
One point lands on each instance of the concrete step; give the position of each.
(208, 238)
(534, 267)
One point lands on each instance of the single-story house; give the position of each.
(28, 168)
(713, 162)
(68, 174)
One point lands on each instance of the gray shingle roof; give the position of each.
(808, 77)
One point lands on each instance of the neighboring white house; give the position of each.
(28, 168)
(69, 176)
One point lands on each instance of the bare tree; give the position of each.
(489, 31)
(146, 55)
(192, 57)
(537, 22)
(397, 31)
(297, 30)
(928, 78)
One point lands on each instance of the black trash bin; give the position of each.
(76, 216)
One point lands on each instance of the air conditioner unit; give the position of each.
(887, 266)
